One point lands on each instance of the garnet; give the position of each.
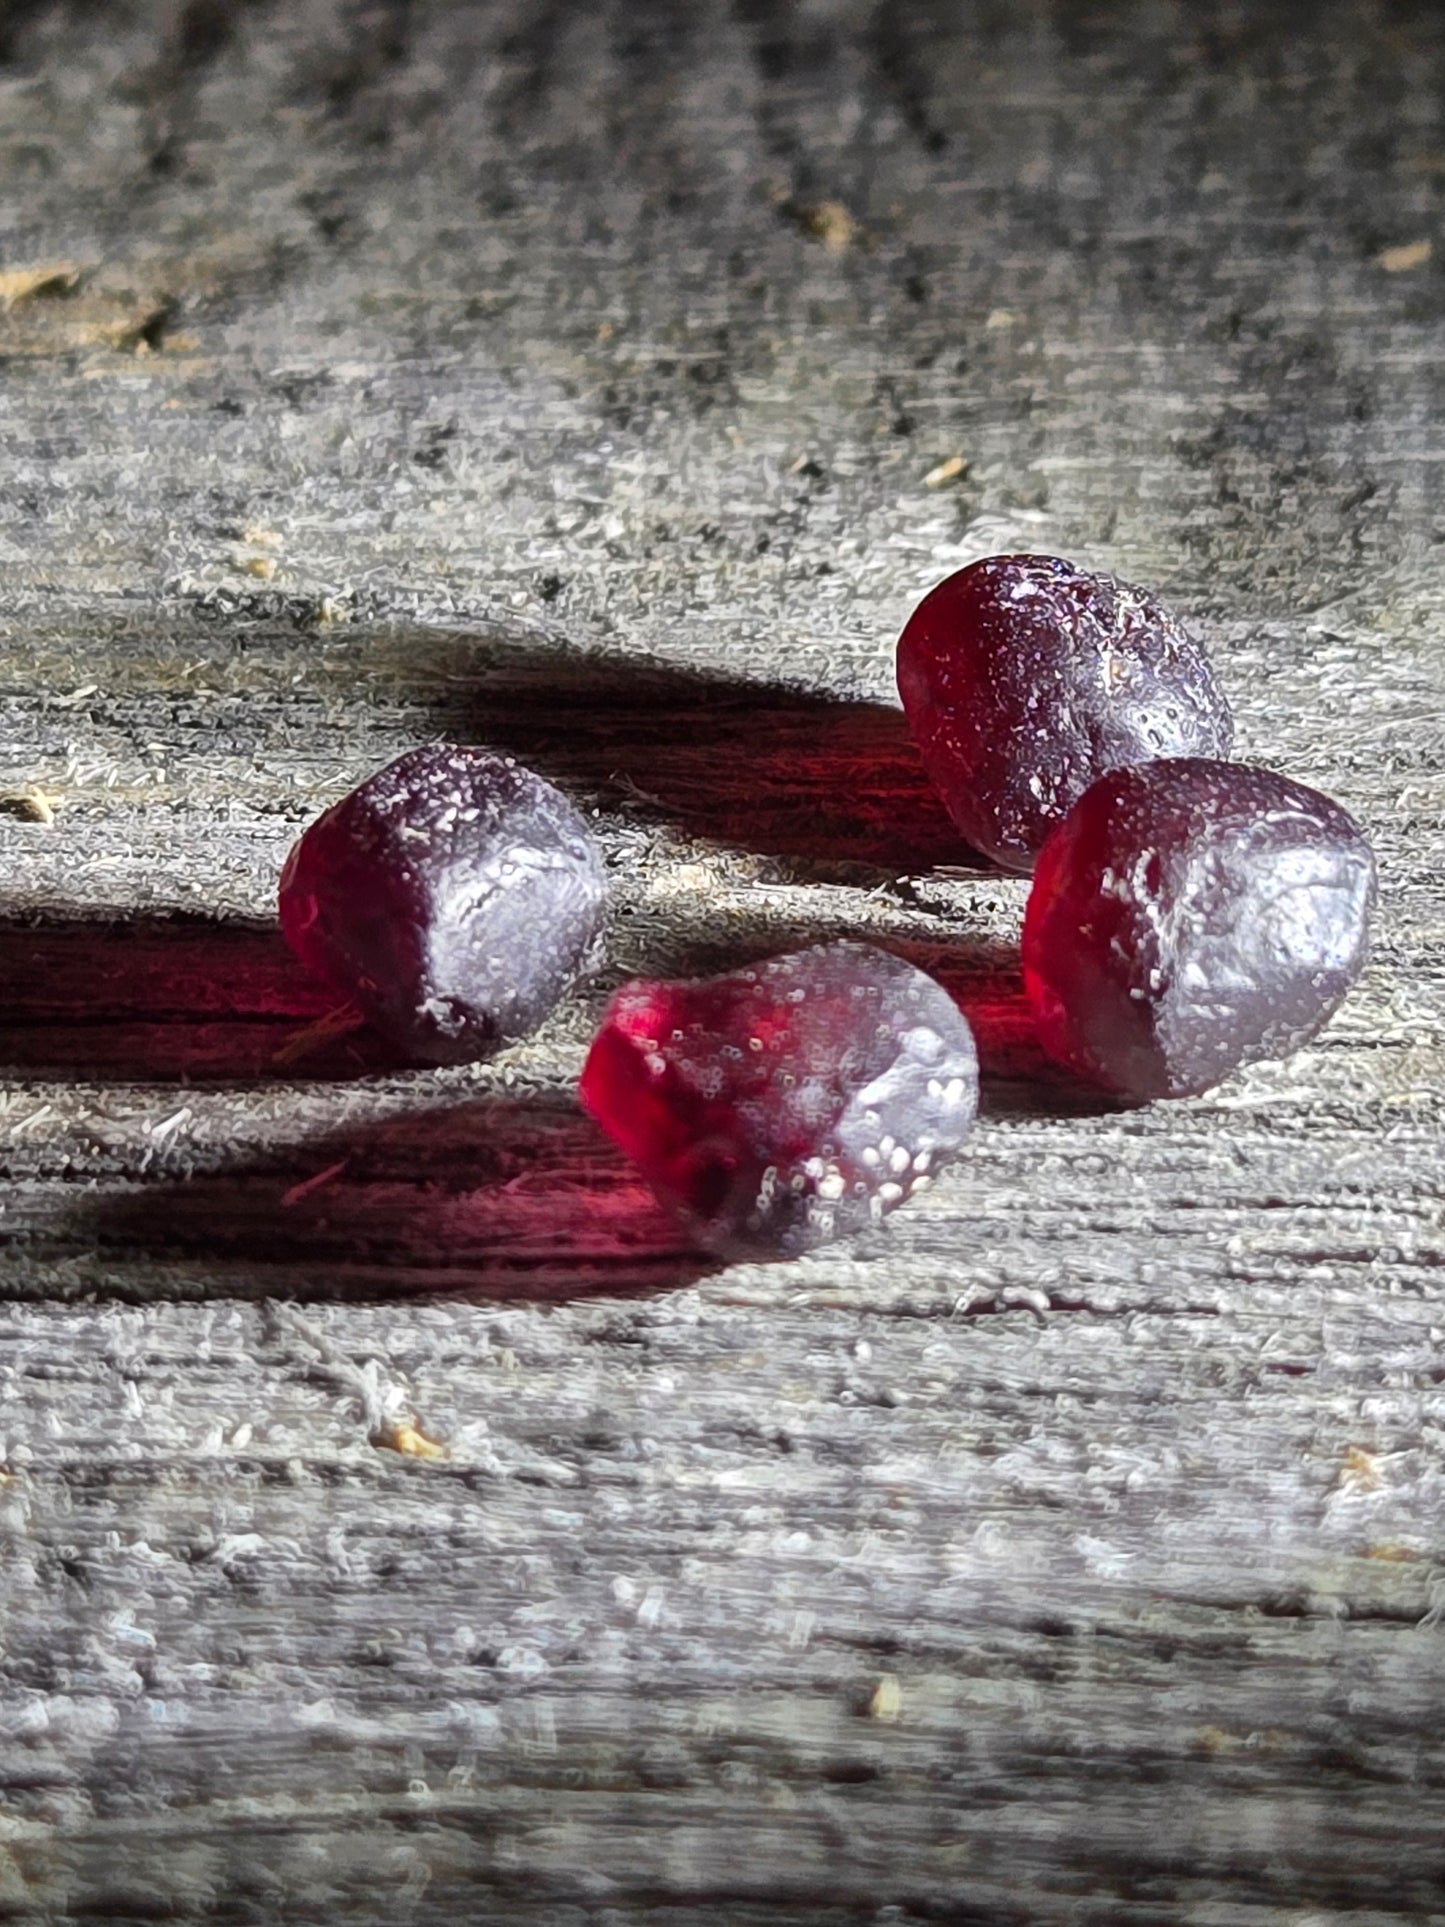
(454, 896)
(1189, 917)
(789, 1103)
(1024, 678)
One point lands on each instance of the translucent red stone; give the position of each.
(788, 1103)
(1024, 679)
(454, 896)
(1189, 917)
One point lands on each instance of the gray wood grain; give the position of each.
(397, 1521)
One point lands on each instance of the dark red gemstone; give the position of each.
(1189, 917)
(1024, 679)
(788, 1103)
(454, 896)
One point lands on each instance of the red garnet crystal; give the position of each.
(454, 896)
(1188, 917)
(1024, 678)
(789, 1103)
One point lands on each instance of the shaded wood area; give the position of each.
(397, 1521)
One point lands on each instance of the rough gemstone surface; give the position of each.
(788, 1103)
(1024, 679)
(1189, 917)
(455, 896)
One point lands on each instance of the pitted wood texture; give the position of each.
(397, 1521)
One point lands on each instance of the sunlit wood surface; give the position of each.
(397, 1521)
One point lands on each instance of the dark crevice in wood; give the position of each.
(20, 17)
(902, 67)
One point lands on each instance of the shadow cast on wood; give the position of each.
(824, 780)
(159, 1000)
(501, 1198)
(165, 1000)
(498, 1197)
(831, 787)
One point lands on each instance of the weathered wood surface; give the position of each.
(567, 375)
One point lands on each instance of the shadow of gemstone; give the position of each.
(500, 1198)
(162, 999)
(829, 787)
(820, 779)
(981, 973)
(1017, 1078)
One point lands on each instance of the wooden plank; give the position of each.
(397, 1520)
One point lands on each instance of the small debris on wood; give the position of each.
(314, 1037)
(26, 284)
(1219, 1740)
(31, 805)
(145, 336)
(1410, 254)
(887, 1700)
(827, 221)
(406, 1437)
(1361, 1471)
(832, 224)
(634, 796)
(945, 472)
(314, 1183)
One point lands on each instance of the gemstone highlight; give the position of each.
(780, 1106)
(1189, 917)
(454, 896)
(1024, 678)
